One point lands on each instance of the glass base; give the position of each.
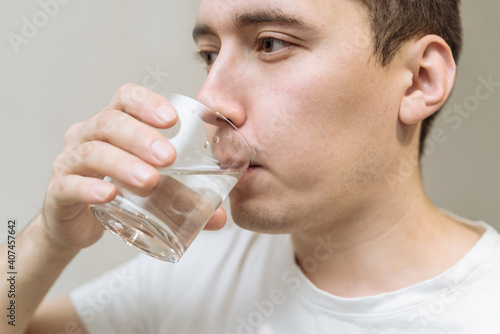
(138, 229)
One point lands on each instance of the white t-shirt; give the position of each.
(239, 282)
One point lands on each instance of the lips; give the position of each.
(248, 173)
(230, 159)
(252, 167)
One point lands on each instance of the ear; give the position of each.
(430, 61)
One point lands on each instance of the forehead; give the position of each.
(313, 13)
(245, 5)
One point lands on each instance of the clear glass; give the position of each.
(162, 222)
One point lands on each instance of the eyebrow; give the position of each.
(242, 20)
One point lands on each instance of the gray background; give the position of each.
(71, 67)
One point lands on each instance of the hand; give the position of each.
(121, 142)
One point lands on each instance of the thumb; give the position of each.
(217, 221)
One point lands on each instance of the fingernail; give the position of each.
(166, 113)
(142, 173)
(162, 150)
(102, 191)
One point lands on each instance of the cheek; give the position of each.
(322, 121)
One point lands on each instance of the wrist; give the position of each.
(44, 241)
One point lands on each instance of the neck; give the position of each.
(391, 246)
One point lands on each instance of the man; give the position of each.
(331, 95)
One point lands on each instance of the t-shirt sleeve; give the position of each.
(113, 302)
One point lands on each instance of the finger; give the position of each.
(127, 133)
(144, 104)
(72, 189)
(217, 221)
(99, 159)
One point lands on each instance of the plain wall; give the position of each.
(69, 69)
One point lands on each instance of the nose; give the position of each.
(224, 89)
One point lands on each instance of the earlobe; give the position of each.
(431, 64)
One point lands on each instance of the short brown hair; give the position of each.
(397, 21)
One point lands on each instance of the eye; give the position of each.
(269, 44)
(208, 57)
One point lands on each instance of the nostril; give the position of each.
(225, 99)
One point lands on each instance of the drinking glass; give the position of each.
(162, 222)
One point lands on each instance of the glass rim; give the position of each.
(167, 95)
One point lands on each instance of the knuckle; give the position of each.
(56, 189)
(126, 88)
(131, 93)
(137, 95)
(70, 160)
(53, 187)
(73, 159)
(105, 122)
(60, 188)
(71, 133)
(58, 167)
(84, 150)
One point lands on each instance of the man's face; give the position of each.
(299, 79)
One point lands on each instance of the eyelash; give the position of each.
(260, 41)
(201, 55)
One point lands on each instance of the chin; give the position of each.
(261, 220)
